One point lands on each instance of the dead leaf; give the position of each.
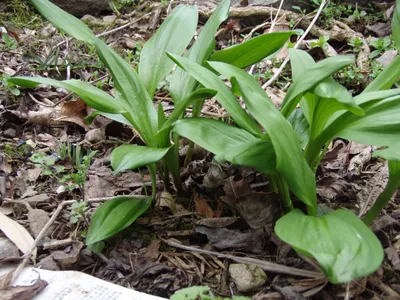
(222, 238)
(393, 256)
(202, 208)
(75, 112)
(257, 209)
(17, 234)
(69, 256)
(26, 292)
(8, 250)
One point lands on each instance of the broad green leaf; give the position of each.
(290, 162)
(211, 81)
(311, 77)
(386, 78)
(127, 82)
(380, 125)
(64, 21)
(114, 216)
(173, 36)
(259, 155)
(132, 92)
(215, 136)
(396, 25)
(130, 157)
(252, 51)
(300, 126)
(182, 84)
(92, 96)
(342, 244)
(180, 107)
(228, 143)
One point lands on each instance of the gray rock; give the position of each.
(247, 277)
(83, 7)
(10, 133)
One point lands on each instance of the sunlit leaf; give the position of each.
(130, 157)
(173, 36)
(343, 245)
(114, 216)
(252, 51)
(182, 84)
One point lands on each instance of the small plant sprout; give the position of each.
(356, 44)
(381, 45)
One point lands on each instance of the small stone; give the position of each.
(95, 135)
(131, 44)
(89, 19)
(10, 133)
(109, 19)
(48, 31)
(247, 277)
(8, 249)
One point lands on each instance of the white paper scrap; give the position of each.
(74, 285)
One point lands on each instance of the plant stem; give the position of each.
(195, 113)
(285, 195)
(189, 154)
(383, 199)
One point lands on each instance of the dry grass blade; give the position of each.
(17, 234)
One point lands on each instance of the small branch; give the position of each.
(265, 265)
(276, 75)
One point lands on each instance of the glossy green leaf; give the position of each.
(290, 162)
(173, 36)
(180, 107)
(130, 157)
(182, 84)
(132, 92)
(386, 78)
(252, 51)
(396, 25)
(228, 143)
(259, 155)
(64, 21)
(92, 96)
(310, 78)
(342, 244)
(300, 126)
(114, 216)
(127, 82)
(211, 81)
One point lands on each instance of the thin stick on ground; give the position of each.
(276, 75)
(265, 265)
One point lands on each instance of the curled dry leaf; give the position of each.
(25, 292)
(202, 207)
(257, 209)
(17, 234)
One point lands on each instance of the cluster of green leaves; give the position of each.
(7, 42)
(263, 137)
(133, 102)
(200, 293)
(381, 45)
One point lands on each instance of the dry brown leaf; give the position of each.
(25, 292)
(75, 112)
(202, 208)
(17, 234)
(257, 209)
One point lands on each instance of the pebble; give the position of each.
(247, 277)
(10, 133)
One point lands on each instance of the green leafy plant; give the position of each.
(47, 163)
(200, 293)
(8, 42)
(356, 44)
(342, 243)
(133, 105)
(381, 45)
(322, 43)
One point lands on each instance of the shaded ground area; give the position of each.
(224, 208)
